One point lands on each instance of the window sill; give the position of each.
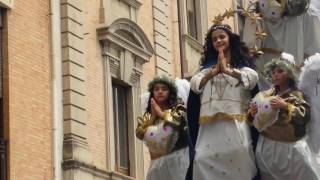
(193, 42)
(119, 176)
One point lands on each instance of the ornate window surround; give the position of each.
(143, 48)
(123, 59)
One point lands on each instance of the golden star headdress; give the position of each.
(253, 16)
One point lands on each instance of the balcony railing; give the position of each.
(3, 160)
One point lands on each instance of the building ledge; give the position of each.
(94, 171)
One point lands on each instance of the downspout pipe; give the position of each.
(56, 78)
(181, 42)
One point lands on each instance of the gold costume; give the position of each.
(170, 133)
(291, 123)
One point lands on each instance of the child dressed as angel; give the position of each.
(282, 151)
(163, 128)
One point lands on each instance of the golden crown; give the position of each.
(253, 16)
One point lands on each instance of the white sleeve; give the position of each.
(196, 79)
(249, 77)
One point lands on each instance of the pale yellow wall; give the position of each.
(145, 21)
(175, 41)
(94, 86)
(216, 7)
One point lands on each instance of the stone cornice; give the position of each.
(132, 28)
(74, 164)
(134, 3)
(93, 170)
(143, 48)
(138, 51)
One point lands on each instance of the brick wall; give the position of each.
(30, 123)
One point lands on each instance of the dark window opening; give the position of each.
(120, 112)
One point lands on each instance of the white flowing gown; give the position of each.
(283, 161)
(173, 166)
(223, 148)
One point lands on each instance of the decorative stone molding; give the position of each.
(134, 3)
(75, 145)
(6, 3)
(125, 48)
(73, 164)
(141, 48)
(114, 65)
(92, 171)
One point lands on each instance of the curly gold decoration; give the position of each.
(253, 16)
(261, 34)
(218, 19)
(227, 14)
(256, 51)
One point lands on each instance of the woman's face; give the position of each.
(220, 40)
(279, 76)
(161, 93)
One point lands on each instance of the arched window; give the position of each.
(125, 48)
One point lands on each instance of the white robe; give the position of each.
(223, 148)
(297, 35)
(286, 161)
(173, 166)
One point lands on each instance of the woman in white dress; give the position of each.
(223, 148)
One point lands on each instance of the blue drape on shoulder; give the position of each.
(193, 114)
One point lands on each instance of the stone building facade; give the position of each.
(26, 111)
(72, 75)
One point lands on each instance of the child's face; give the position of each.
(161, 93)
(279, 76)
(220, 40)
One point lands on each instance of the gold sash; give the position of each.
(222, 116)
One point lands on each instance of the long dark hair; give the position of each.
(240, 54)
(172, 98)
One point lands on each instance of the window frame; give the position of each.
(115, 86)
(192, 29)
(200, 18)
